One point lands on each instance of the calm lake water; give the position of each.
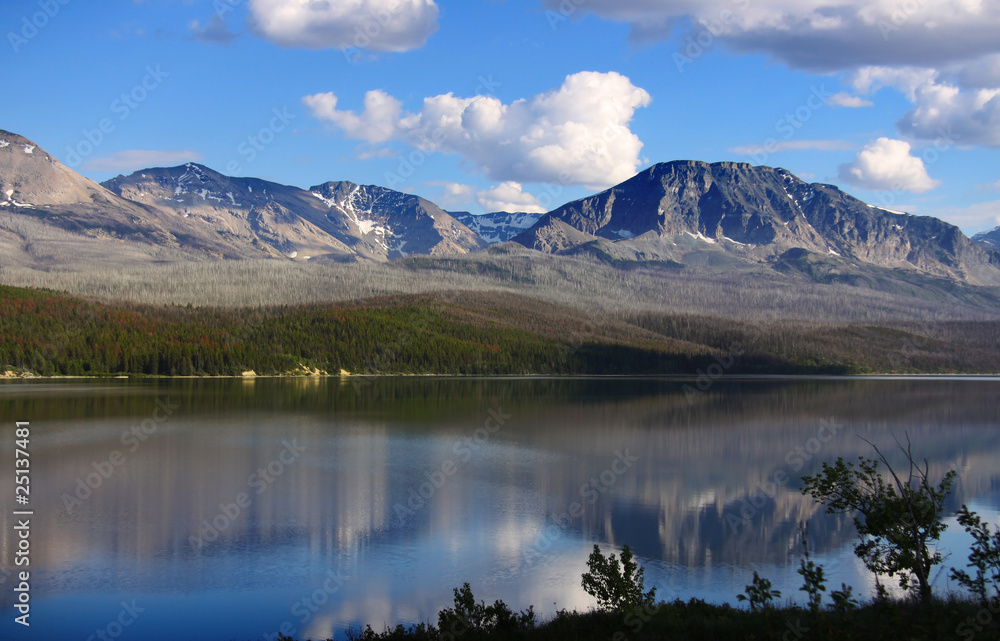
(226, 509)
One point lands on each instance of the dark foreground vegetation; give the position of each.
(464, 333)
(899, 518)
(956, 618)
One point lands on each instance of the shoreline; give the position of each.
(680, 377)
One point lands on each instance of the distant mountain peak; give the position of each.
(334, 221)
(497, 227)
(991, 238)
(684, 211)
(720, 214)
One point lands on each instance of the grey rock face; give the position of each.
(991, 238)
(335, 221)
(674, 209)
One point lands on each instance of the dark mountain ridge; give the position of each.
(677, 210)
(719, 215)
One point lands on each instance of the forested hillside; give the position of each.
(462, 333)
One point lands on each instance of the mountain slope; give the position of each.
(336, 221)
(37, 188)
(715, 216)
(991, 238)
(392, 224)
(688, 211)
(49, 215)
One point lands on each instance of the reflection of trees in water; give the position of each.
(700, 463)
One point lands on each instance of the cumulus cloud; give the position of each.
(378, 122)
(135, 159)
(456, 194)
(950, 106)
(509, 197)
(887, 164)
(575, 135)
(904, 79)
(945, 113)
(844, 99)
(814, 34)
(944, 55)
(377, 25)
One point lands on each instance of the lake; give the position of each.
(226, 509)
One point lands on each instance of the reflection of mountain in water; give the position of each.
(701, 468)
(708, 494)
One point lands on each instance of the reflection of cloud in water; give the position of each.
(494, 521)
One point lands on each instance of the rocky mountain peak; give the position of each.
(991, 238)
(687, 211)
(31, 176)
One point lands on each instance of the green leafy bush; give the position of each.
(469, 617)
(616, 583)
(897, 518)
(984, 557)
(759, 594)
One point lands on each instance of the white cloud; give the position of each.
(135, 159)
(376, 124)
(975, 218)
(349, 25)
(509, 197)
(945, 112)
(793, 145)
(456, 196)
(904, 79)
(886, 164)
(815, 34)
(575, 135)
(458, 190)
(844, 99)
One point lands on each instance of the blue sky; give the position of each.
(519, 104)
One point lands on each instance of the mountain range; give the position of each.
(991, 238)
(677, 213)
(683, 211)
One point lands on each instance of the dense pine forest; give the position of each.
(458, 333)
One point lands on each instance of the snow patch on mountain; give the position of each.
(498, 227)
(891, 211)
(329, 202)
(701, 236)
(362, 217)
